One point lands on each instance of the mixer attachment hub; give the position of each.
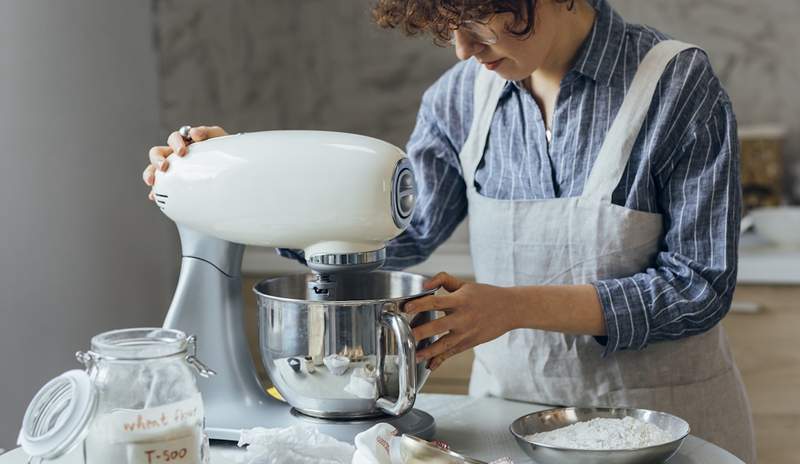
(322, 287)
(346, 262)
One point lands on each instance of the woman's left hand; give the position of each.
(475, 314)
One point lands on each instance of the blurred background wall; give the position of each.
(283, 64)
(81, 248)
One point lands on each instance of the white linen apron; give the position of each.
(579, 240)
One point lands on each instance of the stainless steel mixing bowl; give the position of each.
(364, 324)
(551, 419)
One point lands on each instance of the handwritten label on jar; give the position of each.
(180, 450)
(160, 422)
(172, 433)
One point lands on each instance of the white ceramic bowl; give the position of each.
(780, 225)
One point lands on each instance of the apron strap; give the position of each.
(616, 149)
(488, 87)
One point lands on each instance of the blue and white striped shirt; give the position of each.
(684, 165)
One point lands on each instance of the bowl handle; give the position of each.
(406, 365)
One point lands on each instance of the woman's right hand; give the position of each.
(175, 144)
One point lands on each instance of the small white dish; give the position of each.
(780, 225)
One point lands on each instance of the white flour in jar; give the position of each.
(604, 434)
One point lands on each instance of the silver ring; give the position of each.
(184, 132)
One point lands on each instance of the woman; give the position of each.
(598, 163)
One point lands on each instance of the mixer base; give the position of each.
(414, 422)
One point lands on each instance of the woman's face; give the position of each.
(515, 57)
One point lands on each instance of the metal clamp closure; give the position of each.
(191, 358)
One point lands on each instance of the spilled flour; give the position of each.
(604, 434)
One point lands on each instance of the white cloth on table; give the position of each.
(298, 444)
(304, 444)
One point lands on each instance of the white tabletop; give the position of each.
(475, 427)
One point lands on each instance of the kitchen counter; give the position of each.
(476, 427)
(763, 263)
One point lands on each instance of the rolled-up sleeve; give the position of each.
(689, 288)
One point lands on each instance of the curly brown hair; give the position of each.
(441, 17)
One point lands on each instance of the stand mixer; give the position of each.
(338, 197)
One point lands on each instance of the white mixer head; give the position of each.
(337, 196)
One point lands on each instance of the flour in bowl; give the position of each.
(604, 434)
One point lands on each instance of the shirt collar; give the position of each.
(598, 57)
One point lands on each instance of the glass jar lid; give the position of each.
(139, 344)
(57, 418)
(144, 344)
